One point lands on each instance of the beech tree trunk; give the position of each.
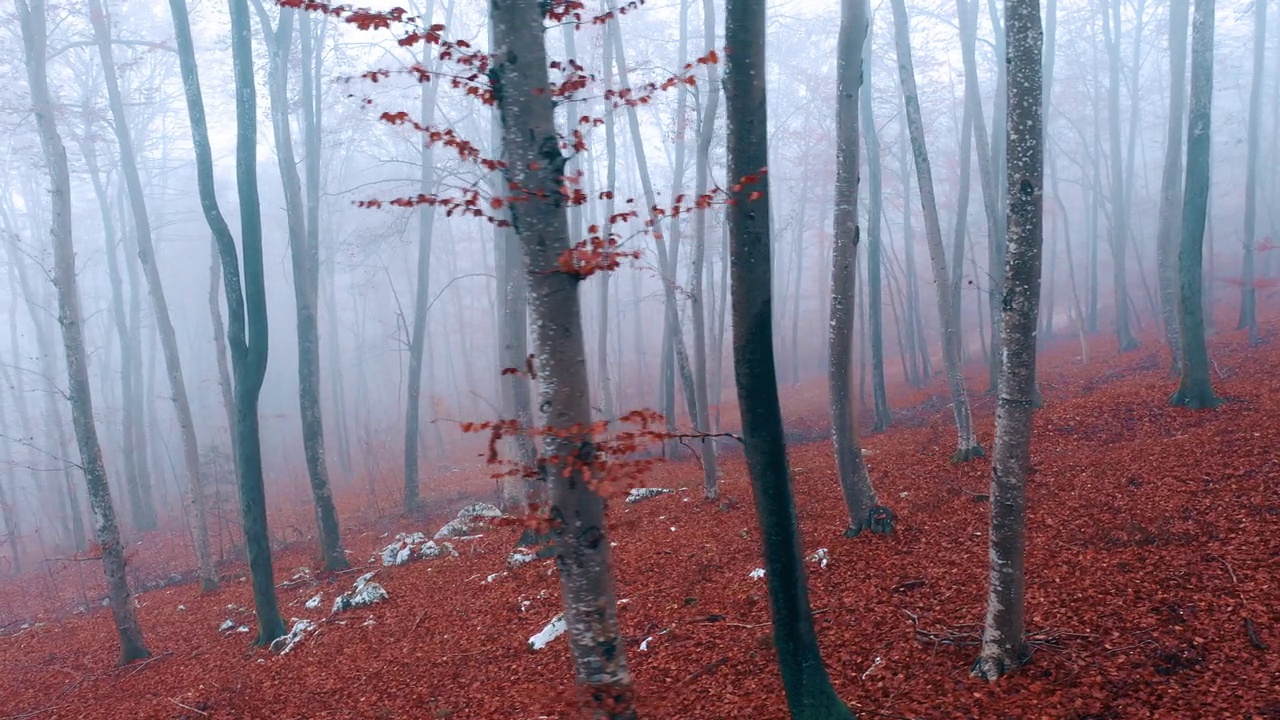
(967, 443)
(1171, 181)
(810, 694)
(1119, 211)
(702, 172)
(159, 303)
(1195, 390)
(875, 211)
(855, 482)
(1004, 646)
(34, 30)
(1249, 293)
(536, 165)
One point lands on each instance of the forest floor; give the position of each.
(1153, 574)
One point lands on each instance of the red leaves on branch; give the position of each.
(593, 255)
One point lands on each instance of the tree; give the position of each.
(1249, 293)
(702, 172)
(967, 443)
(1171, 181)
(1119, 208)
(855, 482)
(160, 304)
(1004, 645)
(810, 694)
(34, 29)
(1195, 390)
(871, 137)
(535, 165)
(304, 253)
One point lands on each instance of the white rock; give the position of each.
(365, 594)
(227, 626)
(553, 629)
(757, 574)
(638, 494)
(314, 602)
(821, 557)
(283, 645)
(520, 557)
(469, 519)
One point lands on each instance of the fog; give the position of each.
(368, 255)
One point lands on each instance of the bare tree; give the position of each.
(1171, 180)
(875, 211)
(702, 173)
(967, 443)
(1195, 390)
(1119, 208)
(34, 29)
(808, 687)
(536, 166)
(159, 303)
(1249, 293)
(1004, 645)
(855, 482)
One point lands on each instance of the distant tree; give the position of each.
(967, 442)
(1171, 181)
(1119, 207)
(875, 212)
(34, 30)
(810, 694)
(1004, 645)
(1249, 293)
(1195, 390)
(159, 302)
(855, 481)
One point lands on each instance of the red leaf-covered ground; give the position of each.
(1154, 551)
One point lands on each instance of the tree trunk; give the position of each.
(855, 482)
(875, 211)
(702, 172)
(220, 348)
(1004, 645)
(159, 303)
(1119, 212)
(1171, 181)
(808, 687)
(967, 443)
(31, 18)
(1195, 389)
(535, 165)
(1249, 293)
(141, 500)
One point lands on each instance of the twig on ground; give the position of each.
(188, 707)
(1252, 631)
(135, 669)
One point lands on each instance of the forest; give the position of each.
(621, 359)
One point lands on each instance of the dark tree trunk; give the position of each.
(1004, 645)
(1195, 389)
(808, 687)
(33, 27)
(1171, 181)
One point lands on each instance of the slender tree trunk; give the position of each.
(220, 348)
(967, 443)
(918, 372)
(1249, 293)
(1171, 181)
(1004, 645)
(33, 27)
(535, 165)
(141, 500)
(808, 687)
(702, 172)
(160, 305)
(855, 481)
(1195, 389)
(1119, 213)
(875, 211)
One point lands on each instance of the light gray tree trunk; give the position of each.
(967, 442)
(702, 173)
(536, 165)
(855, 481)
(159, 303)
(32, 22)
(1249, 293)
(1195, 390)
(1119, 212)
(1171, 181)
(875, 213)
(220, 347)
(1004, 645)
